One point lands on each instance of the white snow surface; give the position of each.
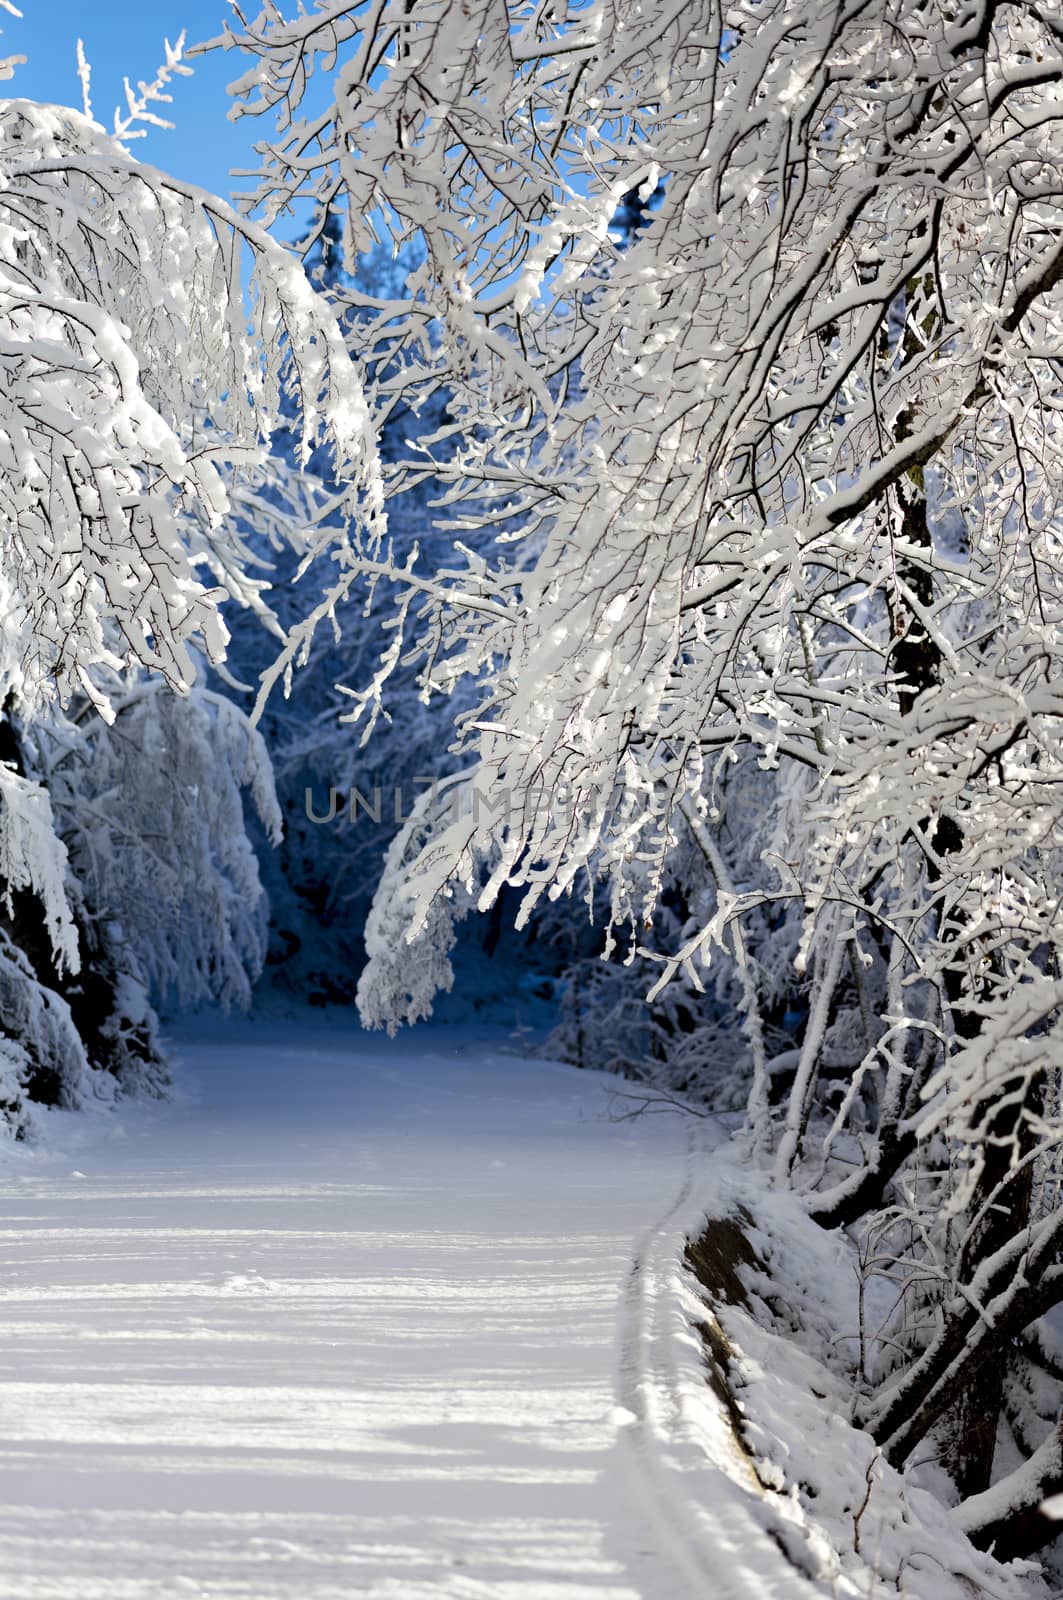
(352, 1316)
(408, 1319)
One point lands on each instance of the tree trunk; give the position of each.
(865, 1191)
(1008, 1519)
(971, 1429)
(1000, 1210)
(1003, 1298)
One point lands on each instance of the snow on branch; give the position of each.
(699, 448)
(138, 388)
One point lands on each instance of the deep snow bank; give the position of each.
(761, 1460)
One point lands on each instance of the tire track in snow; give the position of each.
(686, 1475)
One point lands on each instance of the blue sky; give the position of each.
(124, 38)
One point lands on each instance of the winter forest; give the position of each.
(531, 808)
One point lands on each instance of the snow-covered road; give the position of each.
(344, 1323)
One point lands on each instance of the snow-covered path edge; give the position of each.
(728, 1533)
(691, 1478)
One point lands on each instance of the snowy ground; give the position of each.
(348, 1320)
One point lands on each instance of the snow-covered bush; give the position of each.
(152, 809)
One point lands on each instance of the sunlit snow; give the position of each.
(345, 1323)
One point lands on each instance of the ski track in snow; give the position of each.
(356, 1320)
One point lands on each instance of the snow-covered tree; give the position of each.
(777, 480)
(133, 384)
(148, 335)
(341, 803)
